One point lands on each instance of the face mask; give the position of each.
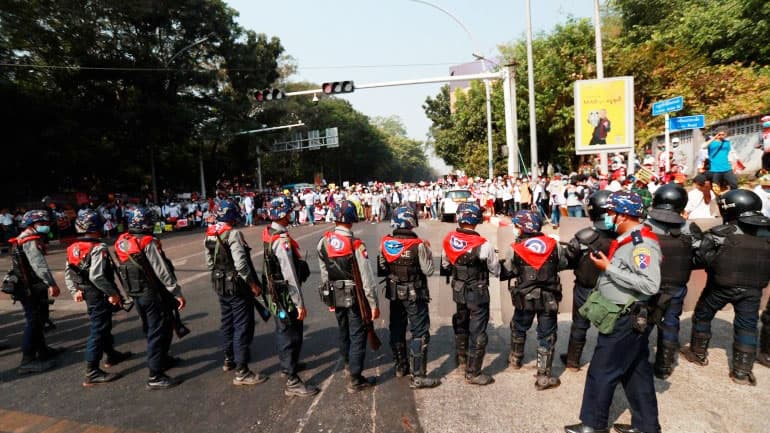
(43, 229)
(766, 124)
(609, 222)
(516, 233)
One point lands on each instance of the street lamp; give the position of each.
(486, 82)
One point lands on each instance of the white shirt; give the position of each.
(248, 204)
(309, 198)
(765, 196)
(6, 219)
(696, 205)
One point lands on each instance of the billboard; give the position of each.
(604, 115)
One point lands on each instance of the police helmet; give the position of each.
(140, 219)
(739, 204)
(469, 213)
(34, 216)
(89, 221)
(528, 221)
(668, 202)
(227, 211)
(597, 204)
(345, 212)
(280, 207)
(626, 203)
(404, 218)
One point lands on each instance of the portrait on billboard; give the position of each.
(604, 115)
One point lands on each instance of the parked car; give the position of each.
(452, 198)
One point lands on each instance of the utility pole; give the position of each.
(599, 71)
(511, 121)
(259, 154)
(531, 81)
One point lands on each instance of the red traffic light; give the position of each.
(269, 95)
(338, 87)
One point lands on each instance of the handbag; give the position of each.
(602, 312)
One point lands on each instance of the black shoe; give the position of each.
(98, 377)
(36, 366)
(419, 382)
(228, 365)
(627, 428)
(359, 382)
(161, 381)
(248, 377)
(296, 387)
(116, 358)
(581, 428)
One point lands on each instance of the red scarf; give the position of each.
(535, 250)
(393, 247)
(457, 243)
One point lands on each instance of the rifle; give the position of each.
(126, 303)
(262, 310)
(364, 308)
(11, 280)
(277, 307)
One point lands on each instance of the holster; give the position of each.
(640, 312)
(226, 284)
(659, 304)
(474, 292)
(343, 293)
(406, 291)
(328, 298)
(536, 299)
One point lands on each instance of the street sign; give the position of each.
(667, 106)
(687, 122)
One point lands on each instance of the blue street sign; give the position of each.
(686, 122)
(667, 106)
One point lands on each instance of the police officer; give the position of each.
(235, 282)
(147, 274)
(630, 275)
(675, 236)
(596, 237)
(736, 255)
(284, 271)
(90, 277)
(407, 262)
(534, 260)
(34, 284)
(336, 251)
(470, 259)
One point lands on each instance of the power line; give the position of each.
(161, 69)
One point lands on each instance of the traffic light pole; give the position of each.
(259, 154)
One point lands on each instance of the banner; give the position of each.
(604, 115)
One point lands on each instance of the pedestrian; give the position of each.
(407, 262)
(235, 283)
(283, 272)
(618, 307)
(336, 252)
(597, 237)
(34, 284)
(90, 277)
(735, 255)
(677, 238)
(150, 281)
(470, 259)
(721, 172)
(308, 198)
(248, 208)
(534, 261)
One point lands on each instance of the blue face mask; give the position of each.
(766, 124)
(43, 229)
(609, 222)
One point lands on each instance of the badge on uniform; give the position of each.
(457, 243)
(642, 258)
(393, 247)
(336, 243)
(535, 245)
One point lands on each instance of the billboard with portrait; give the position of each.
(604, 115)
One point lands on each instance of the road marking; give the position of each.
(374, 401)
(324, 386)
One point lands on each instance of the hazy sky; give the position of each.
(371, 41)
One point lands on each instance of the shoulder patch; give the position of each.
(642, 257)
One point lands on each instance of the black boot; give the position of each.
(743, 361)
(418, 363)
(517, 352)
(763, 357)
(296, 387)
(697, 352)
(544, 364)
(571, 359)
(581, 428)
(473, 374)
(400, 359)
(461, 348)
(97, 376)
(244, 376)
(359, 382)
(160, 381)
(665, 358)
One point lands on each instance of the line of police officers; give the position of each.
(631, 273)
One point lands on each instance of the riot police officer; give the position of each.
(470, 259)
(34, 283)
(336, 252)
(534, 261)
(90, 277)
(235, 283)
(736, 256)
(675, 236)
(407, 262)
(149, 276)
(283, 272)
(630, 275)
(597, 237)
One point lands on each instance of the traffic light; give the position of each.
(338, 87)
(269, 95)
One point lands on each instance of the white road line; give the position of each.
(374, 401)
(311, 408)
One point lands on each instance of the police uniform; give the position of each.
(283, 253)
(336, 251)
(598, 238)
(534, 262)
(632, 277)
(34, 277)
(89, 270)
(470, 259)
(147, 272)
(227, 256)
(407, 262)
